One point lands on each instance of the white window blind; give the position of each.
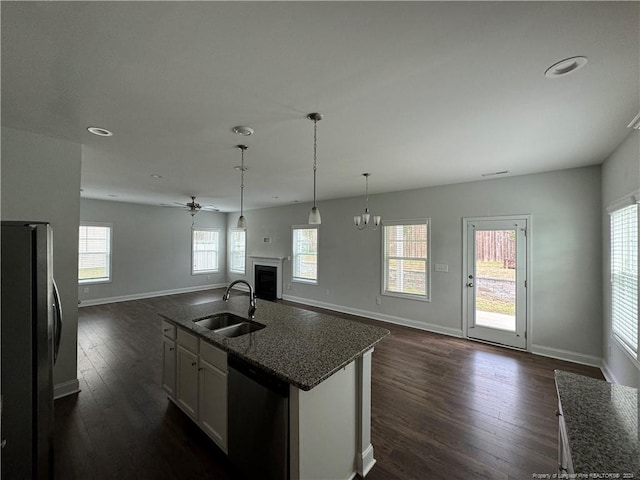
(405, 259)
(305, 254)
(94, 259)
(624, 276)
(237, 251)
(204, 250)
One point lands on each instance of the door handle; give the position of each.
(470, 284)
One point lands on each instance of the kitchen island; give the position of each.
(324, 360)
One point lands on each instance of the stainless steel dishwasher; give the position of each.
(258, 431)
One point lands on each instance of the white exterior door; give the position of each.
(496, 280)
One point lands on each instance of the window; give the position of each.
(237, 248)
(305, 254)
(405, 259)
(624, 276)
(94, 259)
(204, 250)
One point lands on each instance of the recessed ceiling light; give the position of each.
(155, 175)
(565, 67)
(101, 132)
(242, 130)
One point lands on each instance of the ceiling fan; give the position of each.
(193, 207)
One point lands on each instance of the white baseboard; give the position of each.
(66, 388)
(366, 461)
(140, 296)
(608, 374)
(429, 327)
(558, 353)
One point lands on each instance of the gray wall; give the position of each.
(151, 250)
(620, 177)
(41, 181)
(566, 241)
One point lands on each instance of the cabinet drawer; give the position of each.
(168, 330)
(213, 355)
(187, 340)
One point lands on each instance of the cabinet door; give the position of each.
(187, 381)
(213, 403)
(169, 366)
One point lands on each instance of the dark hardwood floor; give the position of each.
(442, 407)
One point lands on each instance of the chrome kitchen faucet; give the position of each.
(252, 297)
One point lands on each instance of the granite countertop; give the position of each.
(602, 425)
(301, 347)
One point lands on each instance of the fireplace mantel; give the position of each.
(269, 261)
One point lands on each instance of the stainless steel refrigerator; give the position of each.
(30, 335)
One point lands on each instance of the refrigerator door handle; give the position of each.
(57, 326)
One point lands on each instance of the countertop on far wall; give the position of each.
(301, 347)
(602, 425)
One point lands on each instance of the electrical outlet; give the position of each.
(86, 290)
(208, 277)
(288, 286)
(378, 301)
(328, 293)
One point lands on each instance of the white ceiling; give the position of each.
(417, 93)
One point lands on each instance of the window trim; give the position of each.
(109, 279)
(383, 277)
(624, 202)
(301, 280)
(230, 247)
(209, 229)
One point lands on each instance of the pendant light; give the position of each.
(362, 221)
(314, 215)
(242, 222)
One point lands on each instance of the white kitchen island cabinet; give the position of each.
(325, 360)
(200, 383)
(187, 373)
(212, 390)
(169, 358)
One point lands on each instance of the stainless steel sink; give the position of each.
(240, 329)
(220, 320)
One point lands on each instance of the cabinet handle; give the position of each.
(166, 329)
(201, 368)
(171, 349)
(193, 364)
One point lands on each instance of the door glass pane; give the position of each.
(495, 279)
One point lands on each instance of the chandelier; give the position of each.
(363, 221)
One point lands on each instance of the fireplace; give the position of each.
(266, 282)
(276, 266)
